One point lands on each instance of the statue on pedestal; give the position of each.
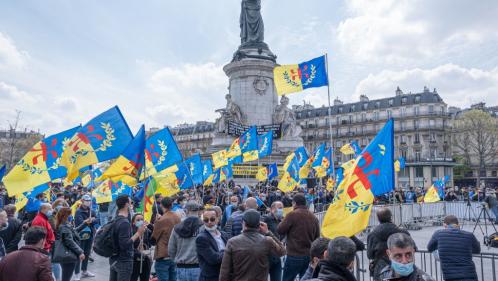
(285, 116)
(251, 22)
(231, 112)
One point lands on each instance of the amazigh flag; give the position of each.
(272, 171)
(249, 144)
(327, 166)
(220, 158)
(290, 179)
(102, 138)
(234, 149)
(40, 165)
(298, 77)
(372, 174)
(128, 166)
(103, 192)
(22, 199)
(207, 172)
(262, 174)
(2, 172)
(162, 153)
(194, 164)
(149, 199)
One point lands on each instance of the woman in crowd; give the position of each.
(142, 261)
(69, 238)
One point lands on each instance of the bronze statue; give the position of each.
(251, 22)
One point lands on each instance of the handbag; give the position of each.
(62, 254)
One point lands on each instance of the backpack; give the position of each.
(104, 240)
(493, 240)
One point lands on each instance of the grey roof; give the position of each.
(384, 103)
(197, 128)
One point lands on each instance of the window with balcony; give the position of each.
(376, 116)
(432, 123)
(434, 173)
(365, 106)
(377, 104)
(415, 124)
(417, 138)
(431, 109)
(363, 117)
(418, 155)
(340, 109)
(403, 100)
(417, 99)
(402, 112)
(416, 110)
(403, 153)
(352, 108)
(419, 172)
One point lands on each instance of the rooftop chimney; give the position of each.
(398, 91)
(337, 101)
(363, 98)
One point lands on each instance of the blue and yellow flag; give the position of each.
(234, 149)
(351, 148)
(372, 174)
(41, 164)
(248, 142)
(318, 156)
(161, 152)
(298, 77)
(288, 160)
(194, 165)
(220, 158)
(301, 155)
(103, 192)
(22, 199)
(149, 199)
(290, 178)
(207, 172)
(183, 177)
(128, 167)
(327, 166)
(101, 139)
(272, 171)
(265, 145)
(432, 195)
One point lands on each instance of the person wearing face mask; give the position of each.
(41, 219)
(179, 207)
(11, 231)
(230, 208)
(339, 261)
(401, 253)
(142, 261)
(210, 245)
(85, 219)
(272, 220)
(455, 248)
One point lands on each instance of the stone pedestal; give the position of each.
(252, 89)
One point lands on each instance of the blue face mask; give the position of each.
(280, 213)
(402, 269)
(138, 224)
(49, 213)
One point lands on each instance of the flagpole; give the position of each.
(329, 112)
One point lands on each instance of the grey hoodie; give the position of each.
(181, 246)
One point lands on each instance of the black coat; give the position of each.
(12, 235)
(377, 240)
(209, 255)
(67, 234)
(329, 271)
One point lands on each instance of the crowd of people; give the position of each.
(221, 233)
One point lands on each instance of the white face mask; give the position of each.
(212, 228)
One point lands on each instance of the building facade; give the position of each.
(422, 132)
(15, 144)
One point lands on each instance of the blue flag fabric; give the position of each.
(314, 73)
(245, 193)
(259, 201)
(293, 169)
(301, 155)
(249, 140)
(183, 177)
(402, 162)
(272, 171)
(376, 166)
(162, 151)
(194, 165)
(356, 148)
(265, 144)
(318, 155)
(2, 172)
(207, 169)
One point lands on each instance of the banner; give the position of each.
(236, 129)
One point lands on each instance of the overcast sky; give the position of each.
(62, 62)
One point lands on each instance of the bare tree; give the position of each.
(475, 137)
(13, 139)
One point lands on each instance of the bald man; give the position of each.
(41, 220)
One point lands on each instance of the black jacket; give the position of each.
(67, 234)
(12, 235)
(209, 255)
(377, 240)
(122, 239)
(329, 271)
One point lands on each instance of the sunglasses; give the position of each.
(212, 219)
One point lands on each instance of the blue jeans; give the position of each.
(275, 269)
(295, 266)
(495, 211)
(165, 270)
(188, 274)
(56, 270)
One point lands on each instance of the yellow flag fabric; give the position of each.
(166, 184)
(103, 193)
(431, 195)
(347, 217)
(234, 149)
(288, 160)
(305, 169)
(86, 180)
(262, 174)
(250, 156)
(209, 180)
(397, 166)
(21, 201)
(287, 183)
(287, 210)
(75, 207)
(287, 79)
(330, 184)
(347, 149)
(220, 159)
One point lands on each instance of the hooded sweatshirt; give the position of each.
(181, 246)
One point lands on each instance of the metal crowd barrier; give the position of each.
(422, 214)
(485, 263)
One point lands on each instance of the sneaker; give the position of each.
(77, 277)
(86, 274)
